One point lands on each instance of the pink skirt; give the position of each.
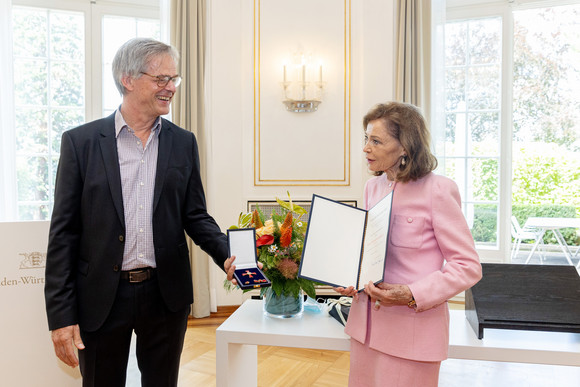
(369, 367)
(373, 368)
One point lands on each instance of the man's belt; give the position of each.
(138, 275)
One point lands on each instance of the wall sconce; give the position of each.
(301, 93)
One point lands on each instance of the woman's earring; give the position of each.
(403, 161)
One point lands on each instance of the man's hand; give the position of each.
(230, 268)
(63, 340)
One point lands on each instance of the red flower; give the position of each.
(264, 240)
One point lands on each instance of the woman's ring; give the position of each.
(378, 303)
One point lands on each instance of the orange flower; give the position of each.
(256, 219)
(286, 236)
(286, 231)
(287, 222)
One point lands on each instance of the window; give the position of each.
(513, 115)
(49, 93)
(546, 109)
(473, 105)
(54, 87)
(116, 31)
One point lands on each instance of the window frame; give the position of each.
(99, 12)
(500, 252)
(458, 10)
(93, 13)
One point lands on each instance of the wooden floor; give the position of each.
(284, 367)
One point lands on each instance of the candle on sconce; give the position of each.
(284, 73)
(303, 73)
(320, 74)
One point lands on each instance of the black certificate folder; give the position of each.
(344, 245)
(242, 244)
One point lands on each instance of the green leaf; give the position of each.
(261, 214)
(293, 288)
(299, 210)
(289, 206)
(230, 287)
(284, 204)
(301, 229)
(308, 287)
(244, 219)
(277, 287)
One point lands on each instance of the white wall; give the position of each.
(230, 105)
(27, 354)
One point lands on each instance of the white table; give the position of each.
(238, 337)
(554, 225)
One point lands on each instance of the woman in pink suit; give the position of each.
(400, 328)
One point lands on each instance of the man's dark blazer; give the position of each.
(87, 230)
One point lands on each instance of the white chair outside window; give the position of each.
(527, 233)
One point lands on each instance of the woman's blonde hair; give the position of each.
(406, 123)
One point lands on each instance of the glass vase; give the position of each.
(283, 306)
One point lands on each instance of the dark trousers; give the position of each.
(160, 333)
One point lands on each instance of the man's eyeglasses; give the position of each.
(163, 80)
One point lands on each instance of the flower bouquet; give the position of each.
(279, 243)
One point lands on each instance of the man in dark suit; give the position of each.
(127, 188)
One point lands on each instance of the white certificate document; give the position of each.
(375, 242)
(344, 245)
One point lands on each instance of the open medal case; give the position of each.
(242, 244)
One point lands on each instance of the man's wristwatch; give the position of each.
(412, 303)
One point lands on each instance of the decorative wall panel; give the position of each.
(302, 148)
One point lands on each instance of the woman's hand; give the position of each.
(385, 294)
(348, 292)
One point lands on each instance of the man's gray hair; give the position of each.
(134, 56)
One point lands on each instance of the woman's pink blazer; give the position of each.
(430, 249)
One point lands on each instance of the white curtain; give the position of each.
(187, 34)
(420, 62)
(413, 52)
(7, 141)
(438, 81)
